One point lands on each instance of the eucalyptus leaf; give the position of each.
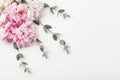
(46, 5)
(42, 48)
(20, 65)
(54, 7)
(66, 49)
(62, 42)
(19, 56)
(15, 45)
(48, 26)
(52, 10)
(65, 15)
(26, 70)
(23, 1)
(45, 55)
(61, 10)
(46, 31)
(54, 37)
(24, 63)
(38, 41)
(37, 22)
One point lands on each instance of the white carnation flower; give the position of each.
(35, 10)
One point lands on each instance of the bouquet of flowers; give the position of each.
(19, 20)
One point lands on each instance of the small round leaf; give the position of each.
(19, 56)
(47, 26)
(54, 37)
(62, 42)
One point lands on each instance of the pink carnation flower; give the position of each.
(16, 14)
(9, 33)
(25, 35)
(12, 18)
(17, 28)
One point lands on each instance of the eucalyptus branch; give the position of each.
(42, 49)
(54, 9)
(55, 36)
(22, 1)
(20, 57)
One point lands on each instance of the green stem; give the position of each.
(42, 48)
(65, 46)
(24, 64)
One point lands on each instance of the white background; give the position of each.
(93, 33)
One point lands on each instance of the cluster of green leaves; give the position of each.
(62, 11)
(42, 49)
(63, 43)
(55, 37)
(54, 9)
(23, 64)
(47, 28)
(20, 57)
(22, 1)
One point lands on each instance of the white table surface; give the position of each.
(93, 32)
